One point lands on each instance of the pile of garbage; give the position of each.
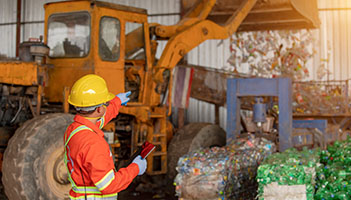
(308, 174)
(222, 172)
(332, 98)
(334, 176)
(273, 53)
(288, 175)
(285, 53)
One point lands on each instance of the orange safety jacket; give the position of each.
(89, 160)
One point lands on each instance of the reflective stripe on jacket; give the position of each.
(89, 160)
(96, 197)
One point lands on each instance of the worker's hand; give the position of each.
(124, 97)
(142, 164)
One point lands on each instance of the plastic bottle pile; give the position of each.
(273, 54)
(288, 168)
(325, 174)
(222, 172)
(332, 99)
(334, 176)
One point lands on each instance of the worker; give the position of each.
(88, 157)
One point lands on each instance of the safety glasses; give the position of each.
(106, 104)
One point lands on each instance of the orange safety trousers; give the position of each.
(89, 160)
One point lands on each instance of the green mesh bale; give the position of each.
(290, 170)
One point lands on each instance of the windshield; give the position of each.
(68, 34)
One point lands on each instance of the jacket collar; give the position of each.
(81, 120)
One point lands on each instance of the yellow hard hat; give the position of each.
(90, 90)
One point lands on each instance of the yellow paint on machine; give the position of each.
(19, 73)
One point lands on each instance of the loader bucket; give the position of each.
(266, 14)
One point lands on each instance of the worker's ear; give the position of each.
(100, 110)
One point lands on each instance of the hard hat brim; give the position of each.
(110, 97)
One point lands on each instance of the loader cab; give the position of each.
(96, 37)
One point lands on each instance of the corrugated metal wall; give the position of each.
(8, 11)
(33, 16)
(333, 38)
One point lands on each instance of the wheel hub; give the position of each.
(56, 173)
(60, 171)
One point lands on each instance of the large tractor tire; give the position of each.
(33, 166)
(192, 137)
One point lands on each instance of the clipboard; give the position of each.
(147, 148)
(143, 151)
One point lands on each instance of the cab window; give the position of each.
(109, 39)
(68, 34)
(135, 41)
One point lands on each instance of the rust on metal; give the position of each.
(39, 98)
(66, 91)
(208, 86)
(18, 26)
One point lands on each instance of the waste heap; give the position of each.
(288, 175)
(309, 174)
(334, 176)
(283, 53)
(272, 54)
(222, 172)
(332, 98)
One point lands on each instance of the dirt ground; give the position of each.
(127, 196)
(144, 196)
(134, 195)
(149, 188)
(145, 188)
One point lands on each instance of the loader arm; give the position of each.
(192, 31)
(197, 13)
